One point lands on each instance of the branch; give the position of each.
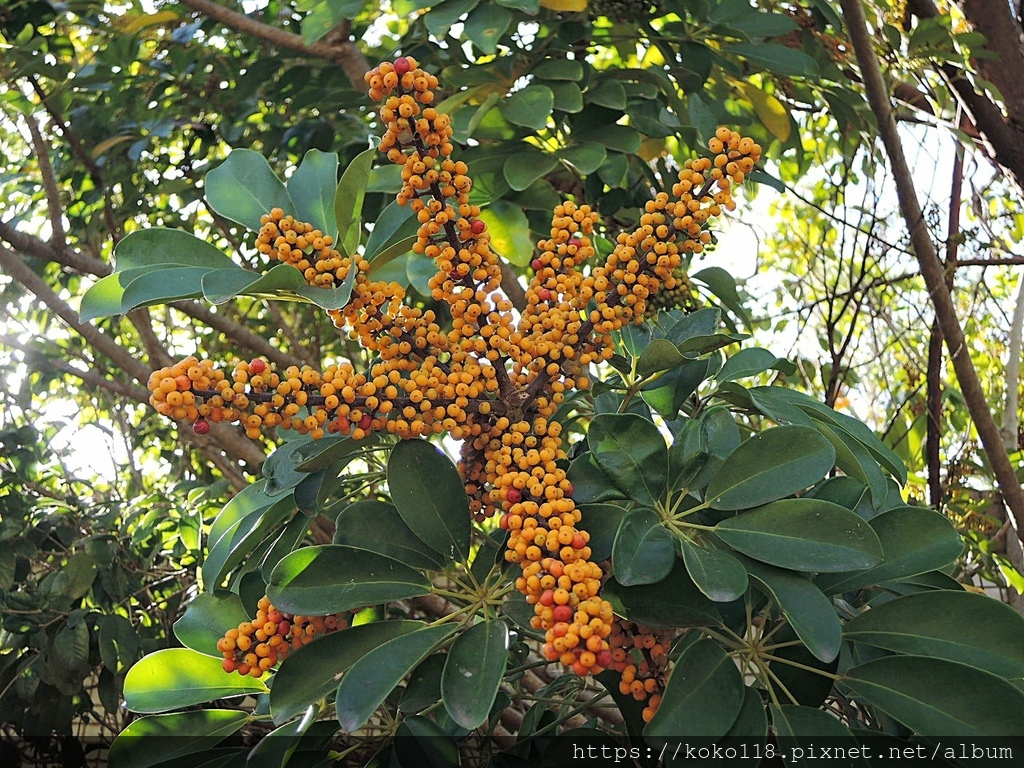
(343, 52)
(30, 245)
(13, 266)
(49, 183)
(928, 260)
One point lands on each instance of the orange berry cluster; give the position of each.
(489, 379)
(307, 249)
(640, 653)
(256, 646)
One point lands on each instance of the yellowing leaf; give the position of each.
(107, 144)
(564, 6)
(772, 112)
(652, 148)
(132, 23)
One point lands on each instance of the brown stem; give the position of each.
(53, 203)
(341, 52)
(931, 267)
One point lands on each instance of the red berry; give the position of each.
(402, 66)
(537, 265)
(201, 426)
(257, 366)
(543, 294)
(503, 522)
(563, 613)
(575, 241)
(477, 227)
(604, 658)
(547, 597)
(578, 541)
(364, 423)
(344, 425)
(513, 495)
(569, 490)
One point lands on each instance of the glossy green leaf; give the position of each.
(244, 187)
(750, 362)
(674, 601)
(473, 672)
(396, 223)
(669, 393)
(770, 465)
(333, 451)
(420, 741)
(957, 626)
(703, 695)
(428, 492)
(854, 459)
(590, 483)
(237, 538)
(805, 607)
(282, 281)
(442, 16)
(181, 734)
(206, 619)
(644, 550)
(939, 698)
(103, 298)
(659, 355)
(716, 573)
(331, 577)
(159, 247)
(180, 677)
(276, 749)
(915, 540)
(631, 450)
(524, 168)
(608, 93)
(776, 58)
(509, 230)
(568, 96)
(311, 673)
(312, 189)
(619, 138)
(602, 522)
(530, 107)
(424, 685)
(798, 672)
(118, 643)
(348, 200)
(163, 285)
(586, 156)
(723, 286)
(803, 535)
(369, 680)
(485, 26)
(377, 526)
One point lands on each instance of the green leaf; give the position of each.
(162, 285)
(763, 25)
(590, 483)
(674, 601)
(854, 459)
(159, 247)
(776, 58)
(485, 26)
(608, 93)
(71, 646)
(631, 450)
(206, 619)
(568, 96)
(509, 230)
(915, 540)
(723, 286)
(805, 607)
(716, 573)
(752, 361)
(428, 492)
(530, 107)
(376, 526)
(559, 69)
(659, 355)
(332, 578)
(644, 550)
(368, 681)
(282, 281)
(524, 168)
(323, 16)
(311, 673)
(424, 686)
(602, 522)
(800, 728)
(938, 698)
(803, 535)
(703, 695)
(348, 201)
(770, 465)
(103, 298)
(118, 643)
(182, 734)
(395, 224)
(420, 741)
(442, 15)
(181, 677)
(671, 391)
(473, 672)
(620, 138)
(312, 188)
(237, 539)
(586, 156)
(244, 187)
(946, 625)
